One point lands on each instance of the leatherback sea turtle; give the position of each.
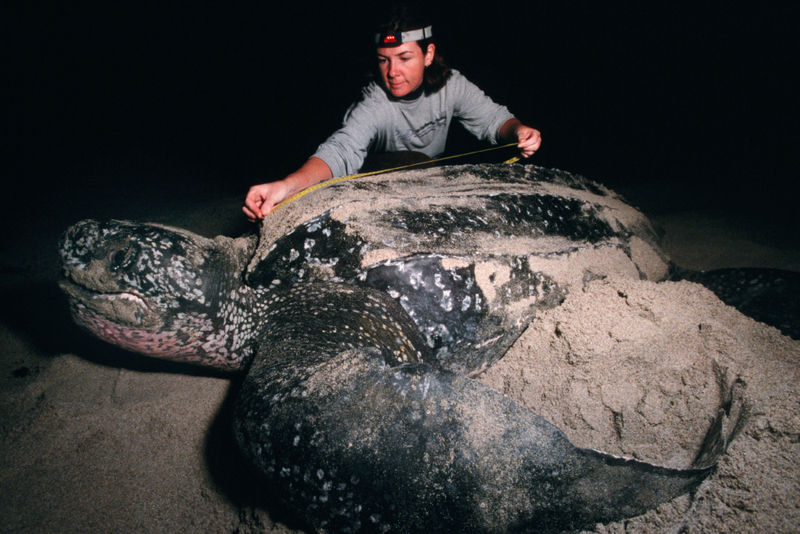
(360, 312)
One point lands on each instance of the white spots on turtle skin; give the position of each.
(446, 301)
(312, 251)
(415, 280)
(437, 281)
(425, 386)
(296, 458)
(487, 342)
(436, 331)
(313, 225)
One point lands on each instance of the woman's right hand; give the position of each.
(262, 199)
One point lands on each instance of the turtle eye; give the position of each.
(120, 259)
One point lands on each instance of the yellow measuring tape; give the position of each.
(350, 177)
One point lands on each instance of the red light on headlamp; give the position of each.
(394, 38)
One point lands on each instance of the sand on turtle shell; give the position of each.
(95, 440)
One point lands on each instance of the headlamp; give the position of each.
(394, 38)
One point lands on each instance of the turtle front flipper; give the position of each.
(352, 439)
(469, 309)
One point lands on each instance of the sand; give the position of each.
(93, 439)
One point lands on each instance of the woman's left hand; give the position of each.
(529, 140)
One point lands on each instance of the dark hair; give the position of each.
(403, 19)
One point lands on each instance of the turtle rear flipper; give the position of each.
(771, 296)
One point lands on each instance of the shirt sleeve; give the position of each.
(345, 150)
(478, 113)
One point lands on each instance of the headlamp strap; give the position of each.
(394, 38)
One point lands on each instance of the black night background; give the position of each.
(113, 105)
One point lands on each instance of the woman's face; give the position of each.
(403, 67)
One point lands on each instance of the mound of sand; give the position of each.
(639, 369)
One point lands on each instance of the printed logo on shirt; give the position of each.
(423, 130)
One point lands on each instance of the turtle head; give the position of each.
(159, 291)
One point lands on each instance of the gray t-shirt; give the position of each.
(377, 123)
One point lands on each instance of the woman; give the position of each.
(411, 109)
